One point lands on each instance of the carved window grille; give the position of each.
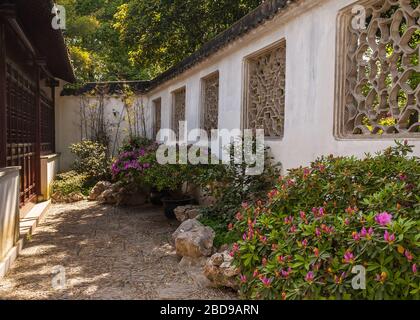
(158, 115)
(178, 111)
(210, 118)
(379, 71)
(265, 91)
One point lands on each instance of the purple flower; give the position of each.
(414, 268)
(390, 238)
(266, 281)
(287, 273)
(348, 257)
(309, 277)
(243, 278)
(356, 236)
(408, 255)
(383, 218)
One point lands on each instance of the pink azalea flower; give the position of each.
(309, 277)
(281, 259)
(287, 273)
(414, 268)
(239, 216)
(264, 261)
(390, 238)
(408, 255)
(256, 273)
(243, 278)
(363, 232)
(383, 218)
(305, 243)
(317, 232)
(347, 221)
(266, 282)
(293, 229)
(245, 205)
(356, 236)
(348, 257)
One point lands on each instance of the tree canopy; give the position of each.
(137, 39)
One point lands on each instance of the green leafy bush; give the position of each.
(72, 182)
(321, 221)
(231, 187)
(91, 159)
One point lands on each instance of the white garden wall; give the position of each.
(9, 209)
(309, 29)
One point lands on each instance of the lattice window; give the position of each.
(158, 115)
(178, 111)
(20, 114)
(378, 70)
(47, 124)
(265, 96)
(210, 118)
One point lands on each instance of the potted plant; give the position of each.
(171, 180)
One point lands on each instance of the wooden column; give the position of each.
(3, 97)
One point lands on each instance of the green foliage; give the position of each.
(91, 159)
(321, 221)
(231, 186)
(136, 143)
(72, 182)
(136, 39)
(223, 235)
(159, 34)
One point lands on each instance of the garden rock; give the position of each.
(98, 189)
(71, 198)
(221, 272)
(194, 240)
(117, 194)
(184, 213)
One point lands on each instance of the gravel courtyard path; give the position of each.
(107, 253)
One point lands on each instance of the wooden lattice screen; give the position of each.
(20, 113)
(47, 125)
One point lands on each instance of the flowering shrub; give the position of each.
(91, 159)
(131, 166)
(321, 221)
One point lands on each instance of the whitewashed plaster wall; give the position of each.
(309, 29)
(68, 128)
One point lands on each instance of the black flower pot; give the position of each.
(156, 198)
(170, 204)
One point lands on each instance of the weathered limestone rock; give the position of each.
(117, 194)
(184, 213)
(98, 189)
(220, 271)
(192, 239)
(71, 198)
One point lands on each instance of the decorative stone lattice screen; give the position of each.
(378, 70)
(178, 111)
(265, 95)
(158, 115)
(210, 118)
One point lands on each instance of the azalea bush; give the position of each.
(230, 186)
(133, 163)
(321, 221)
